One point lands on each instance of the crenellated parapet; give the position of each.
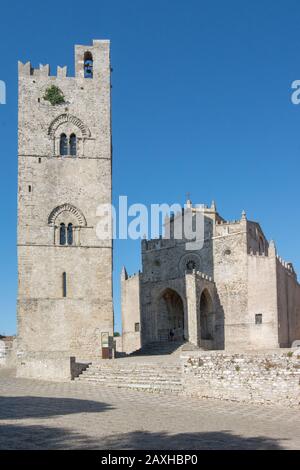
(228, 222)
(257, 254)
(200, 275)
(43, 70)
(126, 277)
(286, 265)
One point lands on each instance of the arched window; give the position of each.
(70, 234)
(261, 246)
(73, 144)
(88, 65)
(63, 145)
(62, 234)
(190, 265)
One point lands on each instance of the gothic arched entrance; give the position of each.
(170, 316)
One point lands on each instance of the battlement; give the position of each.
(257, 254)
(132, 276)
(228, 222)
(201, 275)
(82, 55)
(43, 70)
(285, 264)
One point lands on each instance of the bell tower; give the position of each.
(64, 174)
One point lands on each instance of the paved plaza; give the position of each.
(48, 415)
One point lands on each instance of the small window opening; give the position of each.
(40, 160)
(29, 188)
(258, 319)
(88, 65)
(136, 327)
(64, 284)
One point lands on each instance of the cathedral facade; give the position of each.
(234, 292)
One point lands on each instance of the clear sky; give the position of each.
(201, 104)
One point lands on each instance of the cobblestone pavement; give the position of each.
(48, 415)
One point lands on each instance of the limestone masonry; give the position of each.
(65, 159)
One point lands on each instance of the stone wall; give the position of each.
(131, 317)
(230, 277)
(8, 347)
(262, 299)
(54, 366)
(288, 298)
(267, 377)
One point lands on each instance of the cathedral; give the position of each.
(234, 292)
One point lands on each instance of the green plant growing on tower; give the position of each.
(54, 95)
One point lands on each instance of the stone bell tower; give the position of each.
(64, 166)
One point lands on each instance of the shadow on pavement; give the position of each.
(44, 437)
(44, 407)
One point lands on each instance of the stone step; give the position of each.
(128, 374)
(134, 371)
(133, 383)
(163, 386)
(132, 377)
(128, 379)
(131, 374)
(160, 348)
(136, 366)
(138, 376)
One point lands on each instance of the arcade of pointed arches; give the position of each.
(171, 317)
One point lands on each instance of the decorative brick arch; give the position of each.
(63, 118)
(67, 208)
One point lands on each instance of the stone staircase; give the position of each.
(159, 348)
(162, 377)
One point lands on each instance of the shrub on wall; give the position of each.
(54, 95)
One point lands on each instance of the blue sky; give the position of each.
(201, 104)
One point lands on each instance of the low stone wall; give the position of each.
(56, 366)
(8, 352)
(118, 344)
(259, 377)
(2, 353)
